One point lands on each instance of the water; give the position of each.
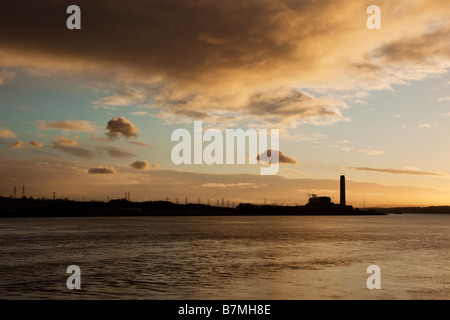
(281, 258)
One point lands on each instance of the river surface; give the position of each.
(261, 257)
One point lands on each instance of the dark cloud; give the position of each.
(230, 54)
(291, 104)
(35, 144)
(75, 151)
(116, 152)
(143, 165)
(397, 171)
(178, 38)
(420, 49)
(70, 146)
(119, 153)
(141, 144)
(366, 68)
(200, 115)
(194, 41)
(282, 158)
(102, 170)
(121, 126)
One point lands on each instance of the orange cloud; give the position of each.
(68, 125)
(70, 146)
(31, 144)
(18, 145)
(397, 171)
(4, 133)
(63, 141)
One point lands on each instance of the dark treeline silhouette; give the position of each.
(29, 207)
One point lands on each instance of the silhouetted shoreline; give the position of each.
(29, 207)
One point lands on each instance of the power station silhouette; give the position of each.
(324, 203)
(342, 203)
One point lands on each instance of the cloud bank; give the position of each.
(207, 59)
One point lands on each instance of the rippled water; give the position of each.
(287, 257)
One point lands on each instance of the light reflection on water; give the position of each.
(284, 257)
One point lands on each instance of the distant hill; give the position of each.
(432, 209)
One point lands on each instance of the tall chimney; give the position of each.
(342, 191)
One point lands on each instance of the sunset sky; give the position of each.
(90, 112)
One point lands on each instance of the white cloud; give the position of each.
(426, 125)
(375, 152)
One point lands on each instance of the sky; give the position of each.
(89, 113)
